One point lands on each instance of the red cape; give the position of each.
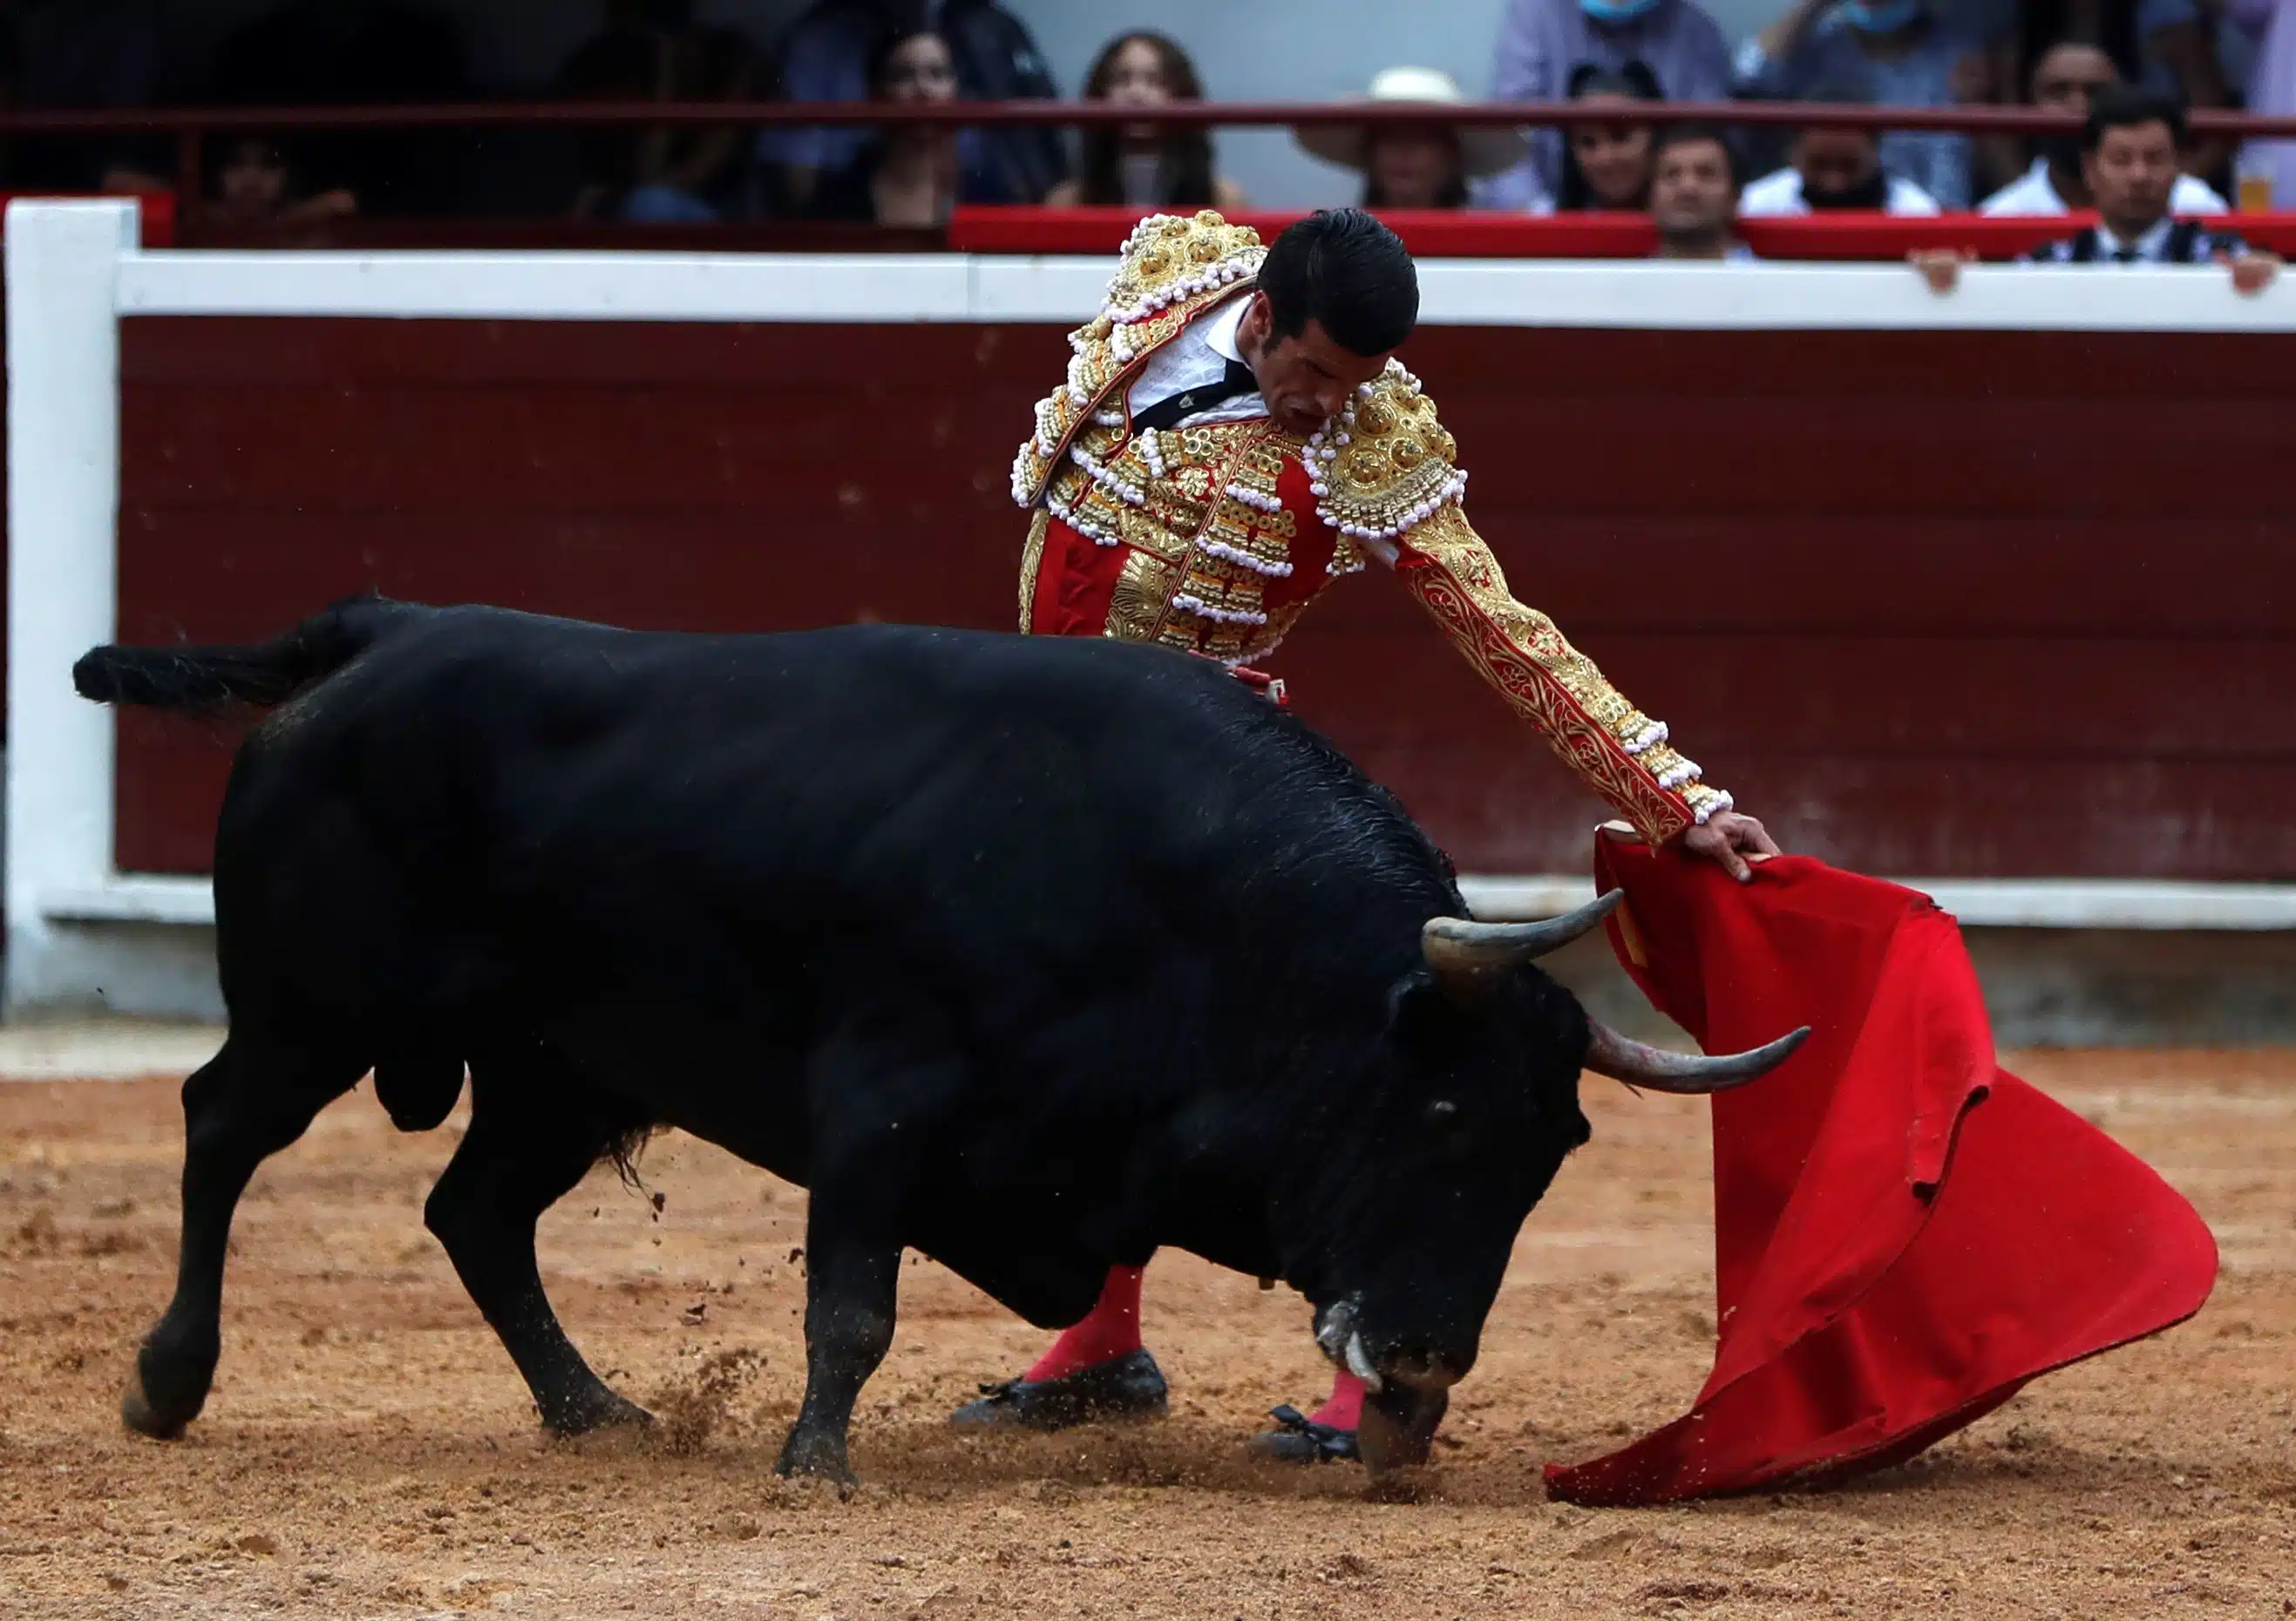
(1904, 1232)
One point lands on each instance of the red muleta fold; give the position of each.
(1904, 1232)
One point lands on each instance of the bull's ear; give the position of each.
(1421, 1008)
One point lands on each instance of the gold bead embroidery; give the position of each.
(1143, 588)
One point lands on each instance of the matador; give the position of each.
(1234, 434)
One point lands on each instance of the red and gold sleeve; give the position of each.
(1386, 475)
(1623, 754)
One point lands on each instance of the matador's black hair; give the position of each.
(1343, 268)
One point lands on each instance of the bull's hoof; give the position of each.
(593, 1411)
(1397, 1427)
(817, 1455)
(141, 1414)
(1126, 1386)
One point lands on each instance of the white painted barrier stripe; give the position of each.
(955, 288)
(698, 287)
(1979, 903)
(1982, 903)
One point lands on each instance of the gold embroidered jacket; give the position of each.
(1214, 537)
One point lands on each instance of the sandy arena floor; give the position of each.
(369, 1452)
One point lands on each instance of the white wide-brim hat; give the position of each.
(1483, 149)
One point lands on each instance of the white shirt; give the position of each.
(1736, 253)
(1198, 355)
(2034, 192)
(1781, 193)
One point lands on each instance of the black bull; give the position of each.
(1033, 956)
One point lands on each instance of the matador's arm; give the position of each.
(1622, 753)
(1385, 479)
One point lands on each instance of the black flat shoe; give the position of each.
(1300, 1439)
(1126, 1386)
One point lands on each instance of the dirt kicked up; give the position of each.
(368, 1450)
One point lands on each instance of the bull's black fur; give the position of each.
(1034, 955)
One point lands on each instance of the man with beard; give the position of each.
(1888, 54)
(1695, 196)
(1835, 168)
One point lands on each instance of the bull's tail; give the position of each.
(211, 678)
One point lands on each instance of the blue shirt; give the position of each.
(1829, 52)
(1541, 41)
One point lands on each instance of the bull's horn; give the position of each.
(1610, 1053)
(1461, 947)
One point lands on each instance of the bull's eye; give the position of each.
(1442, 1109)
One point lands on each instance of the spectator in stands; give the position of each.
(652, 51)
(1894, 53)
(1542, 43)
(2069, 75)
(1608, 166)
(2130, 152)
(824, 57)
(1141, 166)
(2166, 46)
(1694, 195)
(255, 185)
(908, 175)
(1415, 165)
(2271, 89)
(1834, 169)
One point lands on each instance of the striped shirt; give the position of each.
(2171, 241)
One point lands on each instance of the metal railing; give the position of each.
(188, 126)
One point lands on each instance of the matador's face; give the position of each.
(1305, 377)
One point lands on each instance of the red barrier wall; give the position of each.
(1850, 233)
(1982, 604)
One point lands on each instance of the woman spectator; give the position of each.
(1141, 166)
(1608, 166)
(909, 174)
(1541, 41)
(1415, 165)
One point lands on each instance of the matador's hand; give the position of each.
(1725, 837)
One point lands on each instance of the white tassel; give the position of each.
(1189, 603)
(1242, 559)
(1649, 737)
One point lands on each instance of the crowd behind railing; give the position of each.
(2131, 69)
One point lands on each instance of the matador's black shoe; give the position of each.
(1300, 1439)
(1126, 1386)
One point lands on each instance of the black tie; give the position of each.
(1237, 379)
(2124, 256)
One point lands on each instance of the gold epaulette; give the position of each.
(1171, 259)
(1386, 464)
(1172, 267)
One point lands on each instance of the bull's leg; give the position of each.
(851, 1279)
(526, 1149)
(245, 1104)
